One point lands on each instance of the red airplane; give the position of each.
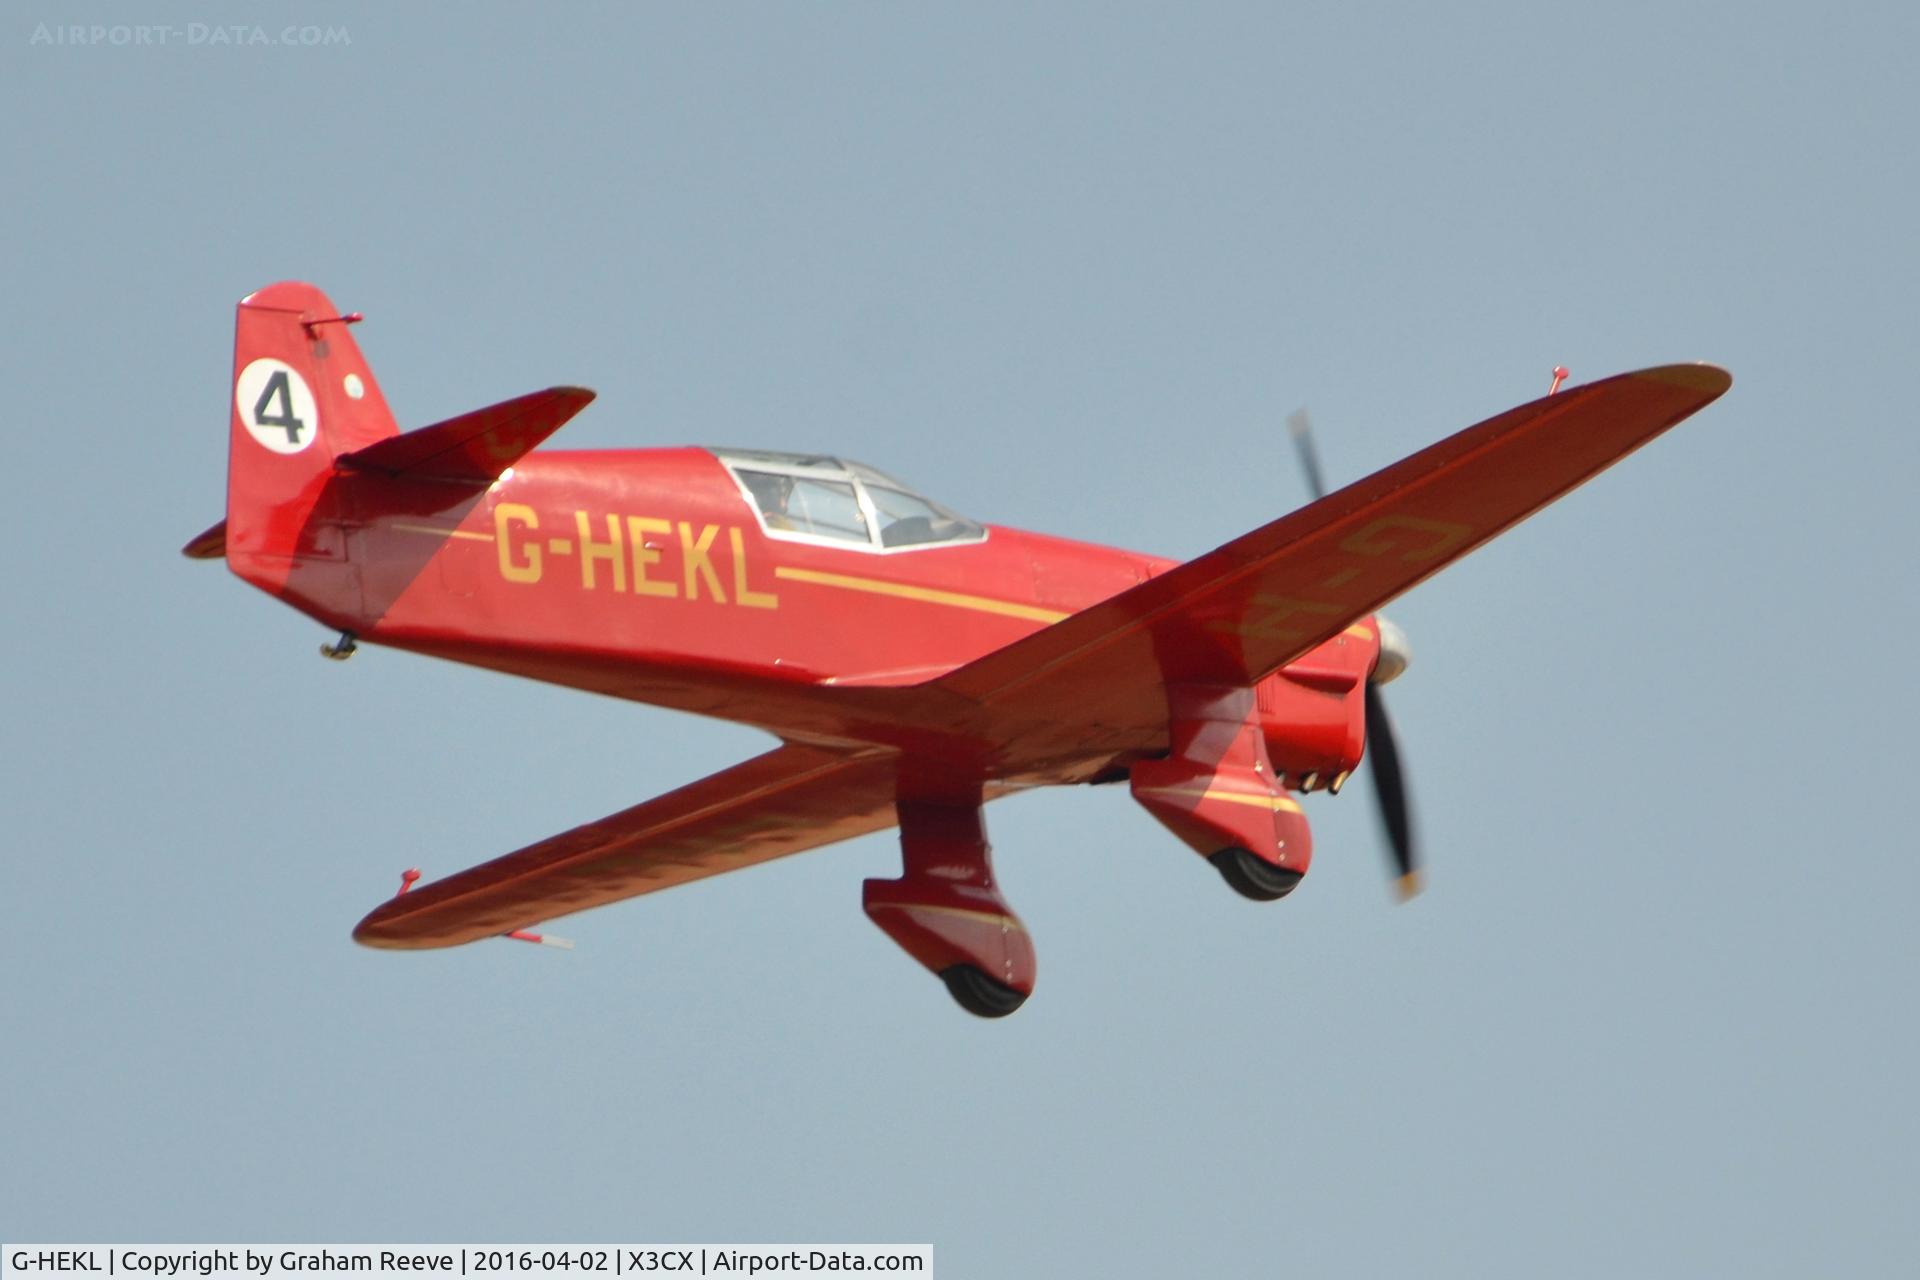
(913, 663)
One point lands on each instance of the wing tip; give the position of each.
(380, 930)
(367, 936)
(209, 544)
(1707, 380)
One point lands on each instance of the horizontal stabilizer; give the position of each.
(474, 447)
(208, 545)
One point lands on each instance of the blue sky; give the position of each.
(1068, 268)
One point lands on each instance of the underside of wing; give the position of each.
(791, 799)
(1245, 609)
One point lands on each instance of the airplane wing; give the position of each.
(791, 799)
(1243, 610)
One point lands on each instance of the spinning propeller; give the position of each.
(1389, 782)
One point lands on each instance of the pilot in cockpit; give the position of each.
(771, 494)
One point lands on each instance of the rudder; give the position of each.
(302, 396)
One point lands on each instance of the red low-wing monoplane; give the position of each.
(913, 663)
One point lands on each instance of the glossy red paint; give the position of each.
(945, 910)
(908, 683)
(1217, 788)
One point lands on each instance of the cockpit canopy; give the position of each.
(804, 497)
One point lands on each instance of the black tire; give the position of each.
(980, 995)
(1252, 877)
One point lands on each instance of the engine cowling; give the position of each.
(1313, 710)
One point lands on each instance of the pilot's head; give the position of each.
(769, 491)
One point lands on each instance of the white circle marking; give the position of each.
(276, 406)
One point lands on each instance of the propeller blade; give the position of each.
(1301, 429)
(1390, 785)
(1389, 782)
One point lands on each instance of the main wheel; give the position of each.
(1252, 877)
(980, 995)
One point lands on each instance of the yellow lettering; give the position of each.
(638, 527)
(1266, 614)
(699, 561)
(741, 595)
(504, 445)
(503, 515)
(1437, 537)
(608, 551)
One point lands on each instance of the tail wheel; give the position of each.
(980, 995)
(1253, 877)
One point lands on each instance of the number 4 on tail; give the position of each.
(266, 414)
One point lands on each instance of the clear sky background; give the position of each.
(1067, 267)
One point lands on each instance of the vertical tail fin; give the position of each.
(302, 396)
